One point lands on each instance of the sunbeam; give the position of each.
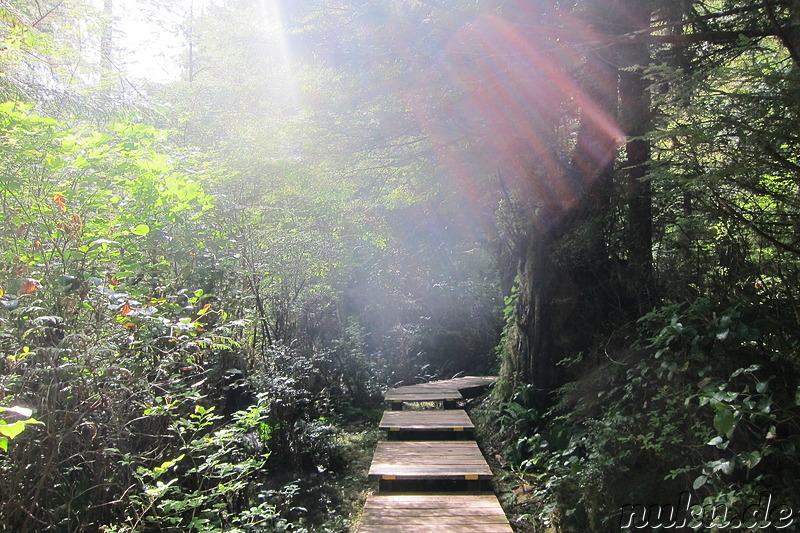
(517, 90)
(282, 65)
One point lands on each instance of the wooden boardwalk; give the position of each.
(412, 463)
(411, 425)
(449, 391)
(411, 513)
(429, 460)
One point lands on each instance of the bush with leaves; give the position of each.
(206, 478)
(707, 405)
(149, 399)
(103, 327)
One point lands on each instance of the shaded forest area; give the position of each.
(208, 275)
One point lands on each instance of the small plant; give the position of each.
(209, 483)
(10, 430)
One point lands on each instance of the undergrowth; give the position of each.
(699, 411)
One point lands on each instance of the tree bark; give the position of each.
(563, 269)
(535, 352)
(789, 33)
(635, 120)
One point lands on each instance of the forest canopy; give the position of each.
(229, 225)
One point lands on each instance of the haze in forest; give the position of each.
(228, 227)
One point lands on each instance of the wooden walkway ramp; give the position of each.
(411, 513)
(431, 474)
(449, 391)
(415, 425)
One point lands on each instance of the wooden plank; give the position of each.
(456, 384)
(435, 502)
(431, 501)
(472, 381)
(454, 420)
(444, 390)
(429, 460)
(471, 519)
(485, 528)
(435, 512)
(415, 394)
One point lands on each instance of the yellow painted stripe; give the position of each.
(471, 477)
(395, 477)
(394, 428)
(458, 428)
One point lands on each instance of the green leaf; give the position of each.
(141, 230)
(761, 387)
(22, 411)
(4, 444)
(67, 143)
(104, 241)
(156, 163)
(724, 420)
(166, 465)
(12, 430)
(8, 107)
(751, 459)
(699, 482)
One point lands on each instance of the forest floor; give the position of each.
(348, 487)
(512, 490)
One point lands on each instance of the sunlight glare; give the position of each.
(272, 15)
(518, 90)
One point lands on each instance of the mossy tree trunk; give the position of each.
(570, 283)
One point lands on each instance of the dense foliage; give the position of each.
(682, 376)
(129, 342)
(633, 168)
(197, 296)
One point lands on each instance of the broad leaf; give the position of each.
(724, 420)
(141, 230)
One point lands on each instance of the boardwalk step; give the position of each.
(429, 460)
(442, 513)
(447, 391)
(412, 425)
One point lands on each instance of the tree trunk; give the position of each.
(789, 33)
(567, 293)
(635, 120)
(533, 341)
(107, 41)
(563, 271)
